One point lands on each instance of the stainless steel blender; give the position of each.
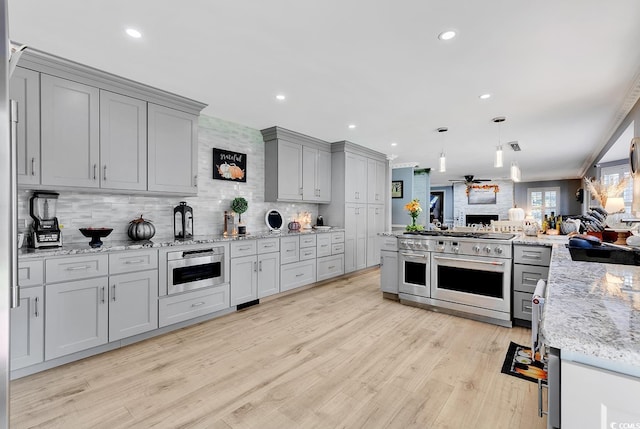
(45, 231)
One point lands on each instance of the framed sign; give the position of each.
(229, 165)
(482, 194)
(396, 189)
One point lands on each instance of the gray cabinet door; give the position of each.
(355, 237)
(133, 304)
(389, 271)
(324, 176)
(268, 274)
(27, 329)
(309, 174)
(375, 225)
(376, 179)
(173, 146)
(75, 316)
(25, 89)
(69, 133)
(356, 178)
(244, 279)
(123, 142)
(289, 171)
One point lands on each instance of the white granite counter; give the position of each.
(114, 246)
(592, 312)
(541, 240)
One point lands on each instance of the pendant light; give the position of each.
(498, 163)
(515, 172)
(443, 159)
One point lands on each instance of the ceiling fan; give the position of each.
(469, 180)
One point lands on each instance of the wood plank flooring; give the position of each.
(334, 356)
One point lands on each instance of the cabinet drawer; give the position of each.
(323, 246)
(307, 253)
(297, 275)
(307, 241)
(268, 245)
(330, 266)
(243, 248)
(522, 305)
(128, 262)
(289, 250)
(30, 273)
(178, 308)
(525, 277)
(534, 255)
(75, 268)
(337, 237)
(337, 248)
(389, 243)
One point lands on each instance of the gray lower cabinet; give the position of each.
(173, 150)
(268, 274)
(24, 88)
(244, 279)
(27, 328)
(70, 124)
(133, 304)
(76, 316)
(530, 264)
(355, 254)
(389, 271)
(297, 274)
(200, 302)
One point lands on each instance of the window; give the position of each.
(613, 175)
(543, 201)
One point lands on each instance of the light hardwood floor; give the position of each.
(334, 356)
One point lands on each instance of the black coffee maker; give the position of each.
(45, 231)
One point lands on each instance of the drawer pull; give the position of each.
(530, 279)
(36, 313)
(323, 245)
(526, 308)
(268, 245)
(308, 253)
(244, 248)
(332, 267)
(102, 292)
(135, 261)
(300, 275)
(113, 295)
(290, 250)
(84, 267)
(197, 304)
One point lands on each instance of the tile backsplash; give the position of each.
(85, 209)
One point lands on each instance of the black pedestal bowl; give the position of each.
(96, 234)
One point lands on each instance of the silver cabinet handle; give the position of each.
(195, 181)
(33, 166)
(135, 261)
(527, 308)
(413, 255)
(530, 279)
(105, 172)
(35, 313)
(113, 298)
(102, 299)
(332, 267)
(94, 171)
(323, 245)
(300, 275)
(197, 304)
(541, 411)
(308, 253)
(268, 245)
(301, 190)
(14, 293)
(260, 266)
(84, 267)
(381, 261)
(255, 267)
(290, 250)
(244, 248)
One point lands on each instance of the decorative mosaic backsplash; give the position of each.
(84, 209)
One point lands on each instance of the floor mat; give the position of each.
(518, 363)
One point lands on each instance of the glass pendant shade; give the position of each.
(515, 172)
(498, 162)
(443, 163)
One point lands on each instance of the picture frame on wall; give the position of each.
(397, 188)
(228, 165)
(485, 194)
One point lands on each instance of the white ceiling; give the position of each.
(562, 72)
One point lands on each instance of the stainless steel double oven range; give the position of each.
(463, 272)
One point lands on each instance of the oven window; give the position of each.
(415, 273)
(196, 272)
(477, 282)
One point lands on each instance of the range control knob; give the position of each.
(476, 248)
(456, 249)
(487, 250)
(440, 247)
(498, 250)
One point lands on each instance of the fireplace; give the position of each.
(484, 219)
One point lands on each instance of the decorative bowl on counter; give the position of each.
(96, 234)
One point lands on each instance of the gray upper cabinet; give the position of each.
(70, 133)
(173, 147)
(297, 167)
(123, 142)
(376, 181)
(25, 89)
(356, 178)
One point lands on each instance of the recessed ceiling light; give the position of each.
(447, 35)
(134, 33)
(280, 97)
(394, 144)
(484, 96)
(352, 126)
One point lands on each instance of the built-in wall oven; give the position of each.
(194, 269)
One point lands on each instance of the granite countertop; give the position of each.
(541, 240)
(592, 312)
(115, 246)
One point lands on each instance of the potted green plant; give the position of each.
(240, 205)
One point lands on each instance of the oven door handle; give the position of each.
(197, 253)
(414, 255)
(475, 261)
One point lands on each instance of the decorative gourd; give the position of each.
(141, 229)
